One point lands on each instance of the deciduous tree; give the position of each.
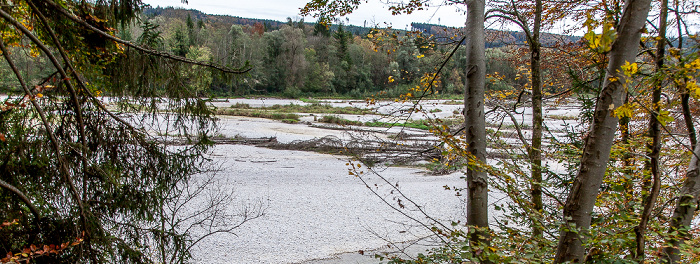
(596, 152)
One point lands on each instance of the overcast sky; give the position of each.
(371, 13)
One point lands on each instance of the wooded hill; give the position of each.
(298, 58)
(495, 38)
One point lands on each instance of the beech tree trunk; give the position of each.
(686, 207)
(475, 123)
(596, 153)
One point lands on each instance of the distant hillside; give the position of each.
(226, 20)
(171, 12)
(494, 38)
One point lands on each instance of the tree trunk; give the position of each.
(537, 119)
(685, 95)
(654, 148)
(688, 198)
(688, 117)
(474, 118)
(685, 209)
(596, 153)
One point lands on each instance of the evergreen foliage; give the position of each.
(82, 178)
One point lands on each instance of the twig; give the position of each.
(517, 126)
(397, 209)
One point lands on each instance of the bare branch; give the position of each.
(22, 197)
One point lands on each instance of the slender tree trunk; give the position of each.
(474, 118)
(655, 134)
(685, 95)
(537, 120)
(596, 153)
(628, 158)
(686, 207)
(688, 117)
(688, 199)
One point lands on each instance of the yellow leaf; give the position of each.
(625, 110)
(695, 64)
(629, 68)
(693, 89)
(664, 117)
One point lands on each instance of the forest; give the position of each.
(107, 124)
(314, 60)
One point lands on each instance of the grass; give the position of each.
(241, 106)
(310, 100)
(284, 117)
(314, 108)
(419, 124)
(290, 121)
(287, 114)
(562, 117)
(318, 108)
(339, 121)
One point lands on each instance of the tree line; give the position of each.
(296, 58)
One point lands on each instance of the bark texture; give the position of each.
(537, 119)
(477, 205)
(596, 153)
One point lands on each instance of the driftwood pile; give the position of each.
(371, 151)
